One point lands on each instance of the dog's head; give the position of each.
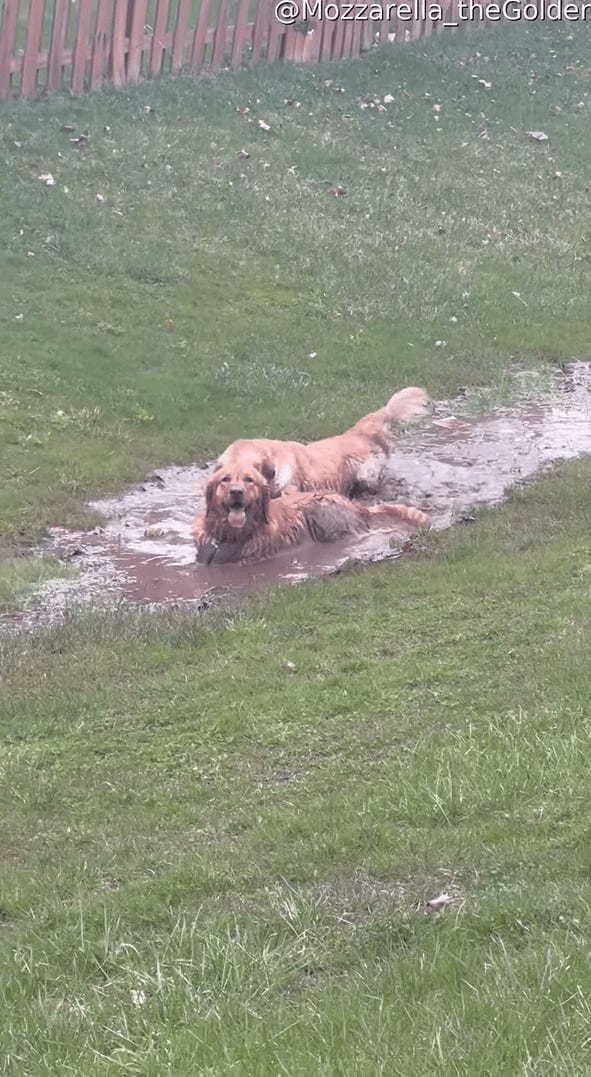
(237, 498)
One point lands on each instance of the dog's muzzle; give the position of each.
(236, 510)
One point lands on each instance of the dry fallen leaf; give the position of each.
(483, 82)
(243, 155)
(440, 902)
(388, 99)
(264, 126)
(100, 197)
(68, 127)
(338, 192)
(483, 134)
(290, 667)
(537, 136)
(47, 179)
(518, 296)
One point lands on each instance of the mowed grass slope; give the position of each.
(183, 309)
(213, 862)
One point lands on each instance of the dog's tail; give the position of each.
(407, 404)
(387, 513)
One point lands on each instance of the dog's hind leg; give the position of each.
(368, 474)
(387, 512)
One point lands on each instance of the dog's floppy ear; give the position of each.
(267, 470)
(210, 489)
(265, 499)
(264, 496)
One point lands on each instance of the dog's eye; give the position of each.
(248, 478)
(226, 478)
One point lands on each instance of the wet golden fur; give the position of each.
(345, 463)
(252, 526)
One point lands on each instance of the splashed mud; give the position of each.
(454, 464)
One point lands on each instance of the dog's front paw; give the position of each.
(206, 548)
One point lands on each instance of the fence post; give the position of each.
(134, 28)
(7, 42)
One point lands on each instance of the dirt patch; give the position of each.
(454, 464)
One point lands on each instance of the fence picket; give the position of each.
(81, 46)
(312, 42)
(180, 35)
(136, 17)
(32, 46)
(119, 42)
(328, 30)
(219, 37)
(59, 29)
(260, 32)
(7, 43)
(356, 40)
(240, 33)
(275, 38)
(347, 38)
(158, 37)
(200, 38)
(291, 41)
(100, 42)
(338, 40)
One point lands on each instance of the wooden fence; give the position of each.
(78, 45)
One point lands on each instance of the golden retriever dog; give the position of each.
(345, 464)
(243, 523)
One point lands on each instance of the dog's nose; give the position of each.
(236, 491)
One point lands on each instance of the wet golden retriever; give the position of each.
(345, 464)
(243, 523)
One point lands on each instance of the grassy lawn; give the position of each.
(213, 863)
(156, 325)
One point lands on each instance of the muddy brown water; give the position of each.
(456, 462)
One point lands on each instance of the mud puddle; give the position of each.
(449, 466)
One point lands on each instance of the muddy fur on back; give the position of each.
(346, 463)
(239, 529)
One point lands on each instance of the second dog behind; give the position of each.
(345, 463)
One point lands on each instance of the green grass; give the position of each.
(21, 576)
(212, 863)
(257, 267)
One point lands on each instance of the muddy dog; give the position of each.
(345, 464)
(243, 523)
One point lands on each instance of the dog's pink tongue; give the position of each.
(236, 517)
